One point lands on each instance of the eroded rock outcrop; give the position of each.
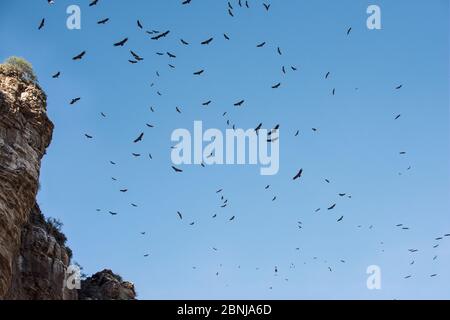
(33, 255)
(106, 285)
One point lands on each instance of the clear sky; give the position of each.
(357, 146)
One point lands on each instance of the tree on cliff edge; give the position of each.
(23, 67)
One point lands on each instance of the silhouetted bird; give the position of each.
(80, 56)
(161, 35)
(41, 25)
(240, 103)
(104, 21)
(73, 101)
(176, 169)
(298, 175)
(139, 138)
(121, 43)
(207, 41)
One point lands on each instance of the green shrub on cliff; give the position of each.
(23, 67)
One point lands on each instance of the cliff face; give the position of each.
(33, 255)
(39, 270)
(25, 133)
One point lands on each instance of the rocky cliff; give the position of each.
(33, 255)
(106, 285)
(39, 269)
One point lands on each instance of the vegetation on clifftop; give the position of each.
(22, 67)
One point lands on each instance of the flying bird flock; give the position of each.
(169, 55)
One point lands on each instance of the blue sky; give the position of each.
(356, 147)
